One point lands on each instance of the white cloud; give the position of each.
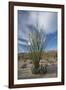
(46, 20)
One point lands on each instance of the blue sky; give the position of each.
(46, 20)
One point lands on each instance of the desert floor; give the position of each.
(24, 70)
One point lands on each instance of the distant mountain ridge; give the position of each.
(45, 55)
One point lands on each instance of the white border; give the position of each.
(41, 80)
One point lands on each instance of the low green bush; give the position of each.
(35, 70)
(41, 70)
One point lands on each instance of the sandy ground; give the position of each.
(25, 72)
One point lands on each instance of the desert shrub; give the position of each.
(35, 70)
(41, 70)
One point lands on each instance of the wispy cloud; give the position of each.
(46, 20)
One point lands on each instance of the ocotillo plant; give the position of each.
(37, 44)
